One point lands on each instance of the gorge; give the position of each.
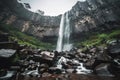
(87, 37)
(86, 18)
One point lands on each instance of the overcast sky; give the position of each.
(52, 7)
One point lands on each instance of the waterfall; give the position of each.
(63, 43)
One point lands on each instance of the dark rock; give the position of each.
(102, 70)
(4, 37)
(54, 70)
(114, 50)
(32, 67)
(89, 64)
(23, 63)
(9, 45)
(6, 53)
(15, 68)
(10, 75)
(114, 67)
(3, 72)
(42, 70)
(95, 61)
(6, 57)
(32, 73)
(46, 74)
(44, 66)
(47, 55)
(70, 71)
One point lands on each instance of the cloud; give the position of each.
(52, 7)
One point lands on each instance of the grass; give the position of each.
(100, 39)
(22, 38)
(25, 39)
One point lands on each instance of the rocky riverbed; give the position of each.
(21, 62)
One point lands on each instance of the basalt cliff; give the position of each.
(85, 18)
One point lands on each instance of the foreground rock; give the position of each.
(96, 63)
(6, 57)
(69, 77)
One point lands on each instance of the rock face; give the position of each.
(85, 18)
(15, 14)
(95, 15)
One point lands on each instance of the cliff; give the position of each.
(94, 16)
(86, 18)
(13, 13)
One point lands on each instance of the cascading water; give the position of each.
(63, 43)
(60, 38)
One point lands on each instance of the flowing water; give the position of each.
(63, 43)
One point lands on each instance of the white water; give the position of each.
(63, 43)
(80, 69)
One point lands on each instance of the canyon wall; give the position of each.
(85, 18)
(14, 13)
(94, 16)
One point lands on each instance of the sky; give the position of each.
(51, 7)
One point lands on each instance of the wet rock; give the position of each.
(6, 53)
(89, 64)
(32, 67)
(15, 68)
(23, 63)
(4, 37)
(43, 68)
(9, 75)
(47, 55)
(103, 57)
(102, 70)
(54, 70)
(3, 72)
(9, 45)
(70, 71)
(114, 67)
(46, 74)
(6, 57)
(31, 73)
(114, 50)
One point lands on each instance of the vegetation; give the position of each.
(100, 39)
(25, 39)
(22, 38)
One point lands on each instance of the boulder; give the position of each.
(114, 50)
(6, 53)
(6, 57)
(102, 70)
(4, 37)
(9, 75)
(3, 72)
(114, 67)
(54, 70)
(9, 45)
(47, 55)
(69, 70)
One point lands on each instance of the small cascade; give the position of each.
(63, 43)
(80, 69)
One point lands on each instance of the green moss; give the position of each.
(100, 39)
(114, 34)
(25, 39)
